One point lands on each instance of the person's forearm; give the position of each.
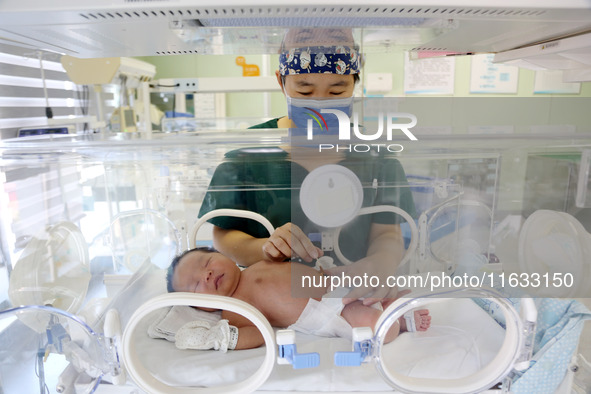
(387, 240)
(238, 246)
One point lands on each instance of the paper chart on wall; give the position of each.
(429, 76)
(488, 77)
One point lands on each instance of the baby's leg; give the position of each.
(359, 315)
(421, 316)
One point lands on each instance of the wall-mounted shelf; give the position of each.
(571, 54)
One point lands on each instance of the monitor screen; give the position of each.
(42, 131)
(129, 117)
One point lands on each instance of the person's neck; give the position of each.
(307, 157)
(310, 158)
(284, 123)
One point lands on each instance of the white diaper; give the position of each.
(323, 318)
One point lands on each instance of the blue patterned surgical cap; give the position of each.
(338, 59)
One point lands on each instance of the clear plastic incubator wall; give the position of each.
(90, 223)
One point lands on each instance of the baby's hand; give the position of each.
(201, 335)
(287, 240)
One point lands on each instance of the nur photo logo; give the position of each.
(348, 128)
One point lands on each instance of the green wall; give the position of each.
(394, 63)
(252, 104)
(204, 66)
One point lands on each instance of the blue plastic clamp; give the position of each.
(288, 354)
(57, 336)
(362, 349)
(303, 360)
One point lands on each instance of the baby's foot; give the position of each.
(422, 321)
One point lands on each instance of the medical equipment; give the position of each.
(131, 73)
(123, 119)
(512, 350)
(329, 238)
(108, 70)
(473, 383)
(150, 384)
(548, 234)
(326, 186)
(583, 194)
(185, 28)
(367, 347)
(53, 270)
(152, 224)
(25, 132)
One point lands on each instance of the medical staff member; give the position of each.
(316, 67)
(311, 69)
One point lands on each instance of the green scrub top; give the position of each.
(270, 124)
(266, 181)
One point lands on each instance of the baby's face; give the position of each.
(206, 273)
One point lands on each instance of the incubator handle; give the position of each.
(228, 212)
(583, 185)
(529, 314)
(113, 334)
(414, 232)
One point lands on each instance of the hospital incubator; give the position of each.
(92, 223)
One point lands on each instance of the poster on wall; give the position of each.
(429, 76)
(489, 77)
(550, 82)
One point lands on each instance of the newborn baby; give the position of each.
(267, 286)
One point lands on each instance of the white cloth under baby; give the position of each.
(168, 321)
(323, 318)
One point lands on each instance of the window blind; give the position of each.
(25, 94)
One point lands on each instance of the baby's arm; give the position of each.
(249, 336)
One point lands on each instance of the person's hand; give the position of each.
(287, 240)
(370, 277)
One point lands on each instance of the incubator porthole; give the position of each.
(551, 242)
(192, 370)
(52, 270)
(331, 195)
(475, 355)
